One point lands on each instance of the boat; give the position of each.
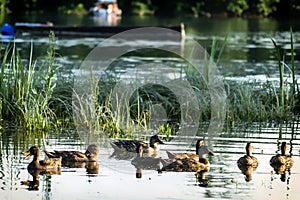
(103, 8)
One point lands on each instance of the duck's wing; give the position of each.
(72, 156)
(172, 155)
(277, 160)
(289, 162)
(185, 165)
(51, 154)
(51, 163)
(246, 161)
(127, 145)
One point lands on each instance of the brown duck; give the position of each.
(132, 145)
(281, 162)
(248, 159)
(90, 155)
(189, 164)
(37, 164)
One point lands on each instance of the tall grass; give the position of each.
(287, 90)
(25, 89)
(30, 98)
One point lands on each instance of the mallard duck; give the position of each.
(189, 164)
(91, 155)
(194, 156)
(248, 159)
(37, 164)
(282, 161)
(133, 145)
(141, 162)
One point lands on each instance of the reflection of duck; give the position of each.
(91, 155)
(141, 162)
(91, 167)
(282, 159)
(248, 159)
(132, 145)
(37, 164)
(203, 182)
(189, 164)
(247, 170)
(188, 155)
(122, 155)
(34, 184)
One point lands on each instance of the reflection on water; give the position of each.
(249, 50)
(112, 178)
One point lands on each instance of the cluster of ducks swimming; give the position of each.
(145, 158)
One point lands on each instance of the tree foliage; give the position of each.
(281, 8)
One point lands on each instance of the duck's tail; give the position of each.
(50, 154)
(171, 155)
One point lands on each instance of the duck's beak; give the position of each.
(160, 142)
(26, 154)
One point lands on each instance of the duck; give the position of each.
(90, 155)
(133, 145)
(194, 156)
(37, 164)
(248, 159)
(282, 161)
(188, 164)
(145, 162)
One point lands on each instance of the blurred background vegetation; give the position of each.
(167, 8)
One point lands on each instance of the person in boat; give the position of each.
(106, 7)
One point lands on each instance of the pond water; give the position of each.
(114, 178)
(249, 55)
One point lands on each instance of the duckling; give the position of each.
(282, 159)
(37, 164)
(194, 156)
(91, 155)
(248, 159)
(141, 162)
(132, 145)
(189, 164)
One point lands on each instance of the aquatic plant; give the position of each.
(25, 89)
(287, 91)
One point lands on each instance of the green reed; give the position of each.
(26, 89)
(287, 91)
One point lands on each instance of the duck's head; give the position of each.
(154, 140)
(199, 143)
(33, 151)
(92, 150)
(283, 148)
(203, 150)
